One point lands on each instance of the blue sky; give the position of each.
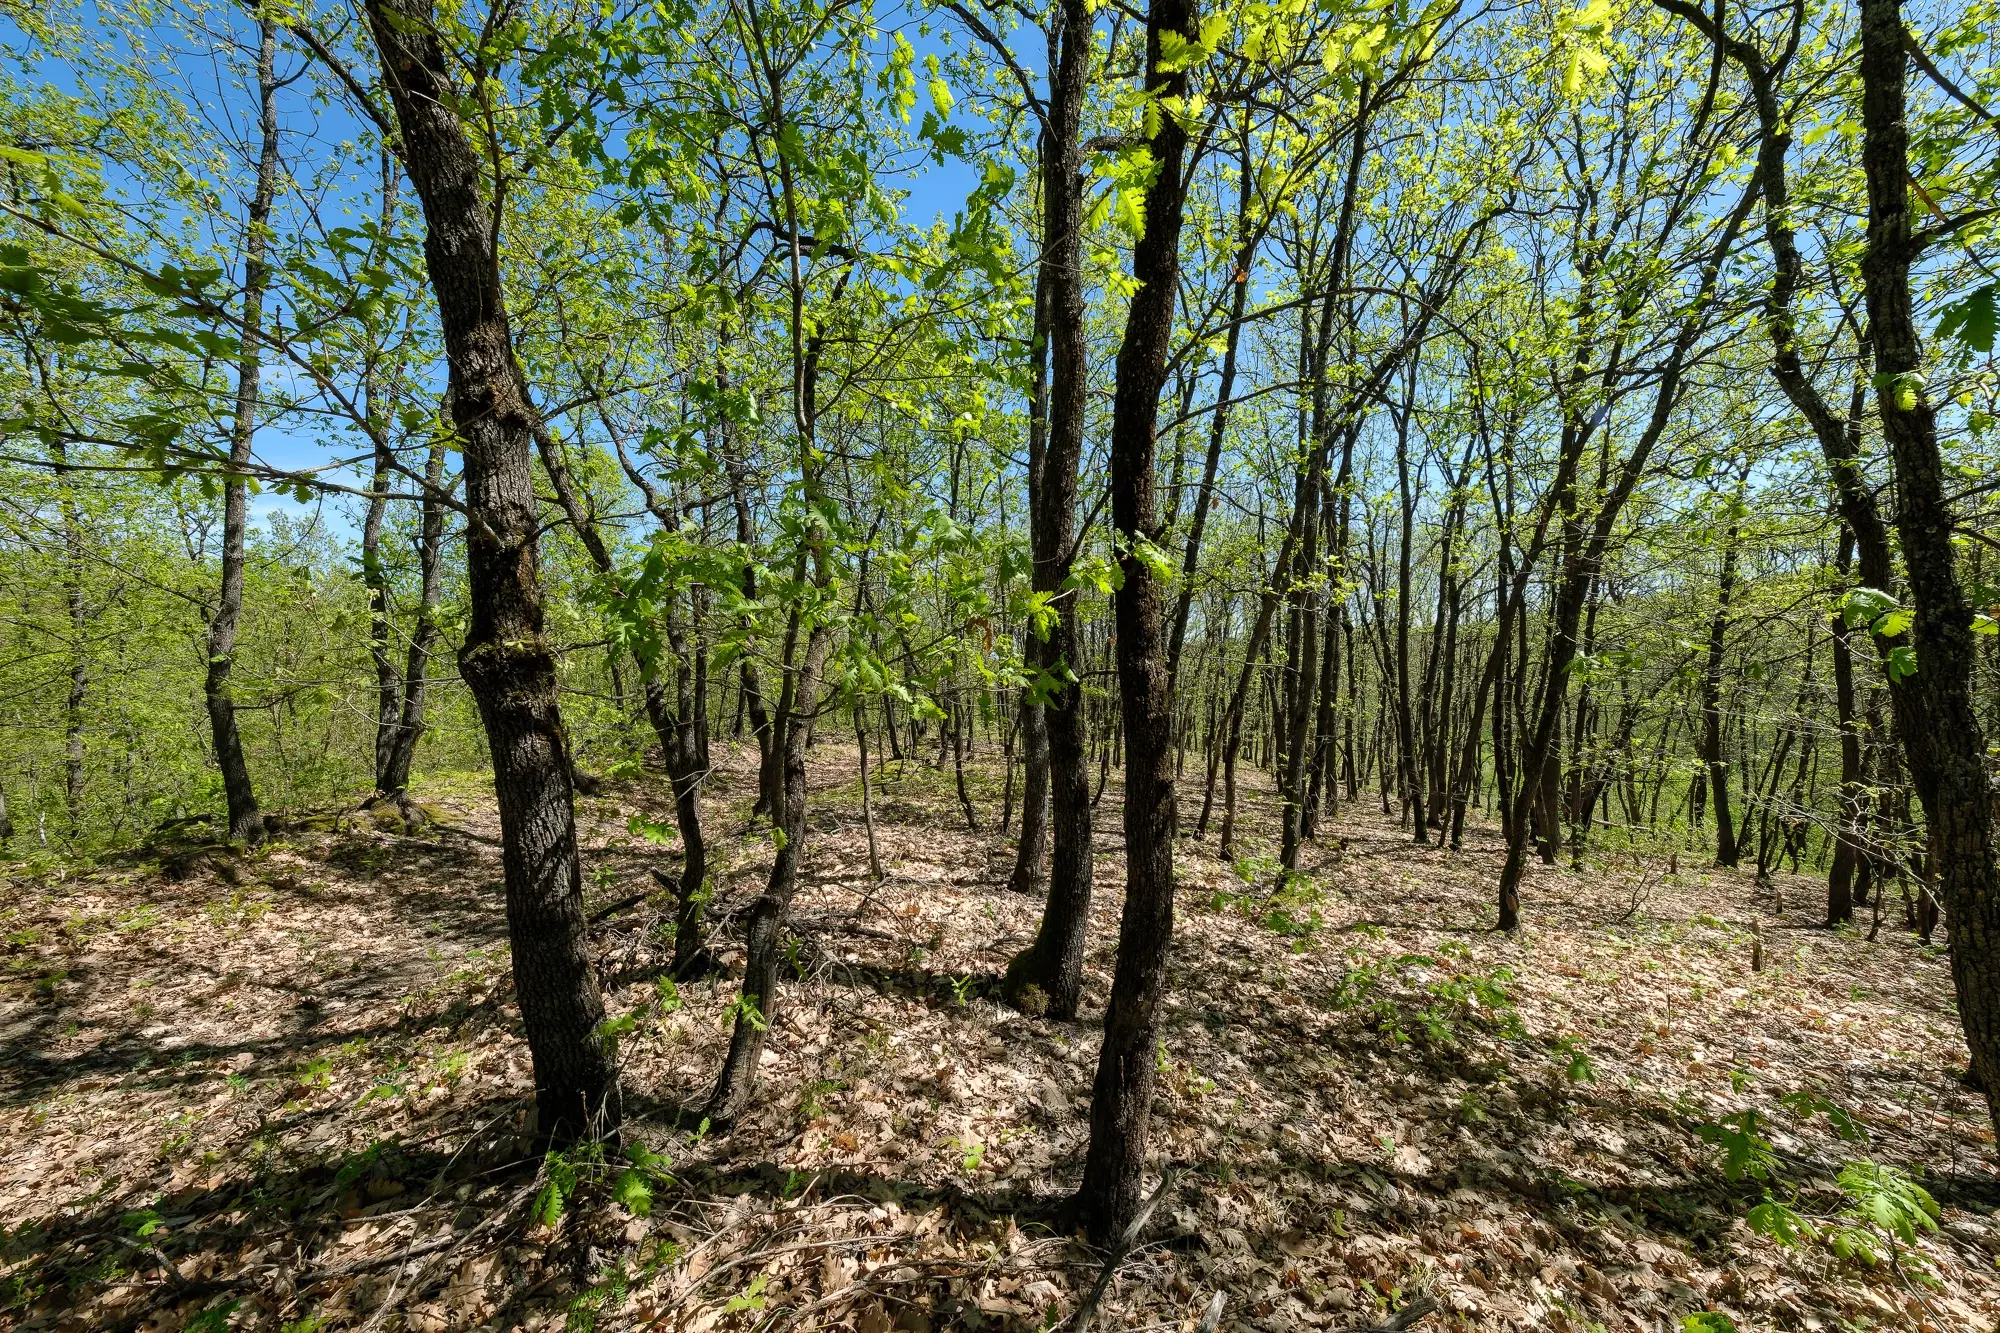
(218, 100)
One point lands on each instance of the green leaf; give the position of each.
(633, 1192)
(1745, 1150)
(1889, 1199)
(1707, 1321)
(1970, 319)
(1894, 622)
(1780, 1222)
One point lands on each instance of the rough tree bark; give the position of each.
(1943, 740)
(1122, 1094)
(505, 659)
(1048, 975)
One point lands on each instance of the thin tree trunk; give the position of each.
(1047, 977)
(1726, 853)
(410, 726)
(867, 795)
(246, 823)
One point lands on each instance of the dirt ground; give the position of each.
(287, 1091)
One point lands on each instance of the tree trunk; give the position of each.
(1847, 829)
(1027, 875)
(756, 1005)
(1726, 853)
(1587, 557)
(246, 823)
(1122, 1094)
(1048, 975)
(505, 659)
(410, 726)
(1943, 742)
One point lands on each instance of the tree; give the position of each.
(505, 656)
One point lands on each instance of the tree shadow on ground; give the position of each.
(130, 1260)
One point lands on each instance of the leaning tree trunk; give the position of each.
(1588, 559)
(1943, 741)
(674, 721)
(246, 823)
(505, 658)
(756, 1005)
(1122, 1094)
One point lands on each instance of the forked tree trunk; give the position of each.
(756, 1005)
(1585, 558)
(505, 659)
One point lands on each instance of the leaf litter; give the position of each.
(288, 1091)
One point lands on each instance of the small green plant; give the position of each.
(614, 1030)
(215, 1319)
(142, 1222)
(1579, 1068)
(561, 1181)
(631, 1186)
(1251, 869)
(1458, 998)
(1746, 1151)
(813, 1104)
(1889, 1201)
(1707, 1321)
(745, 1008)
(1779, 1221)
(608, 1293)
(1806, 1104)
(971, 1154)
(750, 1298)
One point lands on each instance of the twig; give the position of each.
(1211, 1318)
(154, 1253)
(1088, 1310)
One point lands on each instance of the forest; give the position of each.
(999, 664)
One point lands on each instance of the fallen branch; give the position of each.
(159, 1257)
(1130, 1238)
(604, 914)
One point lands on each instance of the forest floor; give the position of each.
(287, 1091)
